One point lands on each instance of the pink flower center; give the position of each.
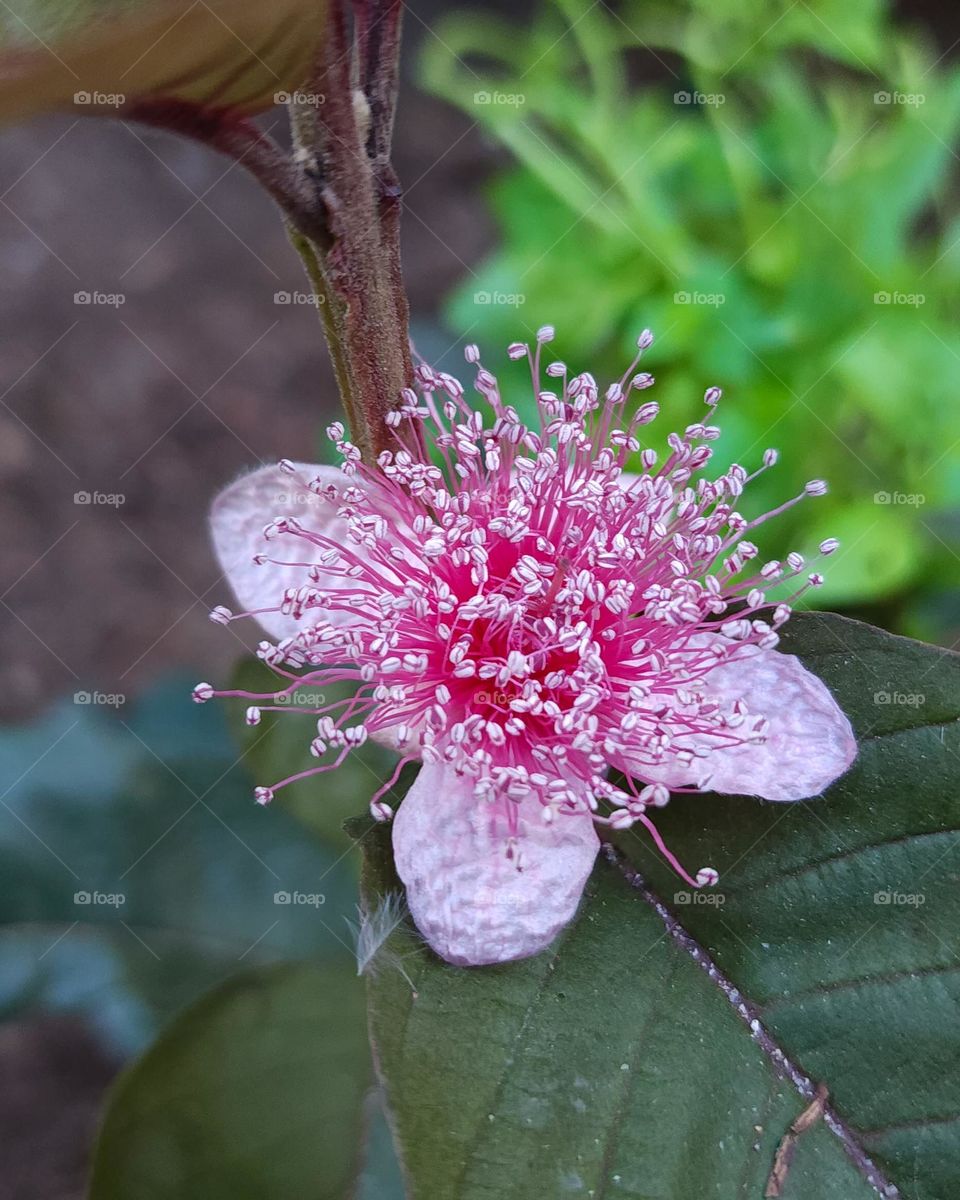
(509, 602)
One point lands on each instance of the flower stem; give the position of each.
(360, 195)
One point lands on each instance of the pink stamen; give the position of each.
(506, 604)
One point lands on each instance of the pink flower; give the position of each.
(519, 614)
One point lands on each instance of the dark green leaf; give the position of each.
(612, 1065)
(256, 1091)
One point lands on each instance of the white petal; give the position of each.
(237, 519)
(809, 740)
(472, 903)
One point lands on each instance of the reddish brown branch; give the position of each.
(378, 53)
(240, 139)
(362, 200)
(378, 44)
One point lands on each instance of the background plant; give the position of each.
(772, 189)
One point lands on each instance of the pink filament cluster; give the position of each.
(508, 601)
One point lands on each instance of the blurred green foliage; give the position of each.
(151, 806)
(768, 187)
(257, 1090)
(139, 874)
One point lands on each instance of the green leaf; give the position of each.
(613, 1065)
(257, 1090)
(105, 54)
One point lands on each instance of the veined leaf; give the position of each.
(614, 1065)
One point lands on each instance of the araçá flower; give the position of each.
(519, 614)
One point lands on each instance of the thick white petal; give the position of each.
(237, 519)
(809, 740)
(472, 903)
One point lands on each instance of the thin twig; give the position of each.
(240, 139)
(748, 1014)
(341, 199)
(788, 1143)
